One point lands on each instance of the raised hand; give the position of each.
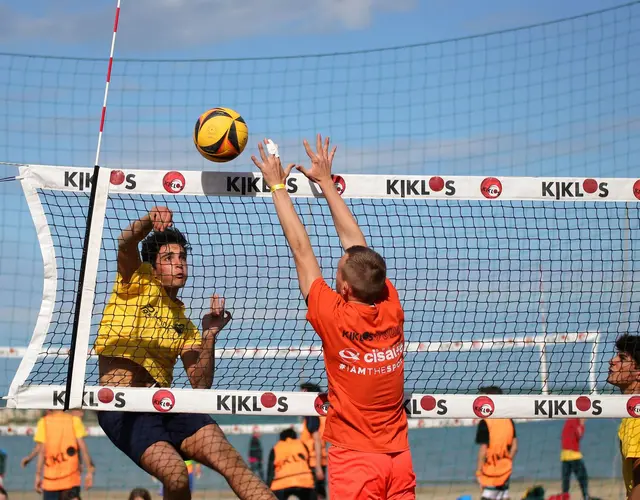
(217, 318)
(271, 166)
(321, 160)
(161, 218)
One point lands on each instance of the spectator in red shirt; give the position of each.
(571, 457)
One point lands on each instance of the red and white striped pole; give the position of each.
(106, 87)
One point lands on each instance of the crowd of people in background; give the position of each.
(297, 464)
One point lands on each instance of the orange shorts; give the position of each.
(357, 475)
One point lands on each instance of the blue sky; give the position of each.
(255, 28)
(555, 100)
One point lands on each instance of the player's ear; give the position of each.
(346, 290)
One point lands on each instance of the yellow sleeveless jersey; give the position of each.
(141, 323)
(629, 434)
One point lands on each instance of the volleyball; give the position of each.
(220, 134)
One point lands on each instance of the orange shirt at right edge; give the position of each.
(364, 357)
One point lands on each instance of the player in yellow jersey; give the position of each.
(143, 331)
(624, 373)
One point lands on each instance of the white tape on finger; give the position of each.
(272, 148)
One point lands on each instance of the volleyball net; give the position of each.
(519, 282)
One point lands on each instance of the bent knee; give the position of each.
(176, 482)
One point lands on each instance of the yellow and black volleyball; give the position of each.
(220, 134)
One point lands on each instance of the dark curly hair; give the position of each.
(288, 433)
(630, 344)
(152, 244)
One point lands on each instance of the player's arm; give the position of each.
(482, 456)
(482, 439)
(320, 172)
(39, 470)
(313, 426)
(271, 468)
(199, 360)
(275, 176)
(86, 459)
(514, 448)
(514, 445)
(34, 453)
(158, 219)
(580, 428)
(317, 444)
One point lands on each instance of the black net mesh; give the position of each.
(486, 286)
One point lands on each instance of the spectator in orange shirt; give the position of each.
(60, 437)
(361, 328)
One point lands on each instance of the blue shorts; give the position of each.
(133, 433)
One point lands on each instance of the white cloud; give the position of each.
(172, 24)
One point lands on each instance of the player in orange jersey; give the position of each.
(361, 327)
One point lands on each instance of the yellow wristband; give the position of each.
(278, 186)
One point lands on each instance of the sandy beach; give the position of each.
(605, 489)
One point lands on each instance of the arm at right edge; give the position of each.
(347, 228)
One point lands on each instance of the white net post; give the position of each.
(87, 287)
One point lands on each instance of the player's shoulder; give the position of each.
(321, 292)
(393, 297)
(629, 428)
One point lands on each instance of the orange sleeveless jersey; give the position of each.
(59, 433)
(498, 464)
(364, 357)
(291, 465)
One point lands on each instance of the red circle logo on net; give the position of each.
(436, 184)
(173, 182)
(340, 184)
(590, 186)
(321, 404)
(117, 177)
(491, 188)
(268, 400)
(583, 403)
(428, 403)
(636, 189)
(105, 395)
(483, 407)
(633, 406)
(163, 400)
